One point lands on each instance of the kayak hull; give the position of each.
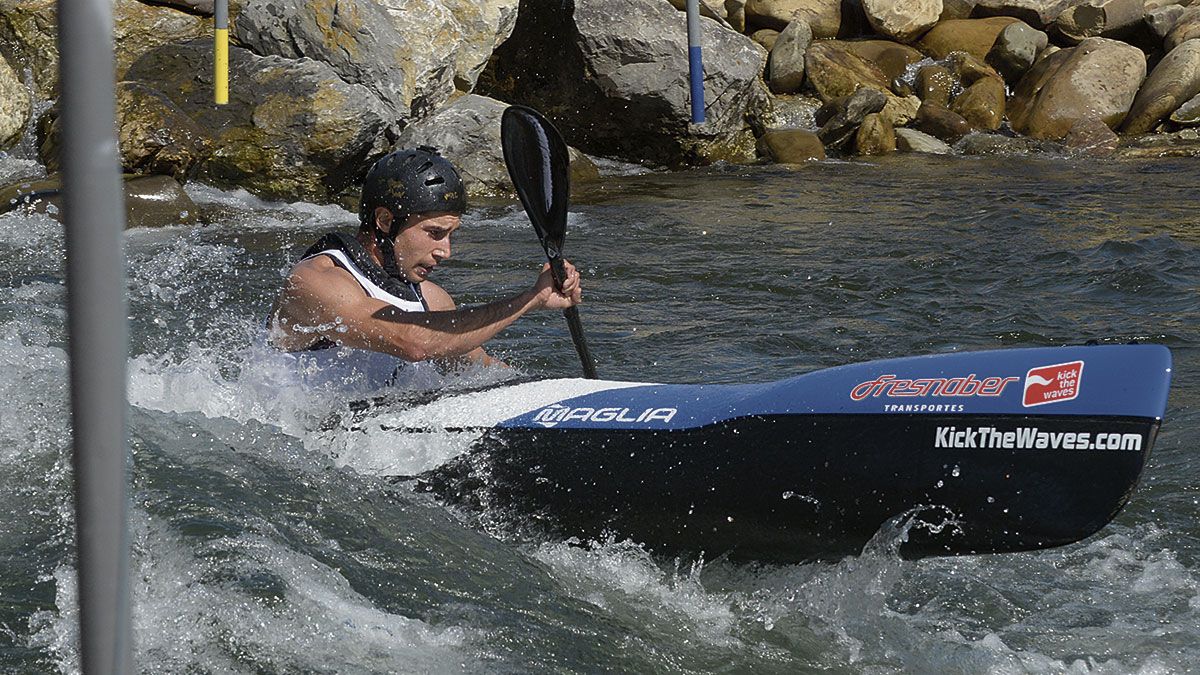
(982, 452)
(788, 488)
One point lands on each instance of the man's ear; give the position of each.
(383, 220)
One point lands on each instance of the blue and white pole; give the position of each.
(695, 64)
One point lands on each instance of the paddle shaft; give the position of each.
(572, 316)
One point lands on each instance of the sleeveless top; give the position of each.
(325, 363)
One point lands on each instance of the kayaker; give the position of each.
(372, 291)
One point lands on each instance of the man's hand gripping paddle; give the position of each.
(537, 162)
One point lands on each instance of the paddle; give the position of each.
(537, 162)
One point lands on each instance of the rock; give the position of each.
(935, 84)
(1024, 95)
(994, 144)
(292, 129)
(735, 14)
(900, 110)
(1188, 114)
(957, 9)
(197, 7)
(765, 37)
(14, 106)
(1037, 13)
(793, 112)
(982, 104)
(29, 38)
(615, 82)
(1162, 19)
(823, 16)
(1185, 143)
(154, 135)
(1099, 78)
(411, 60)
(875, 136)
(891, 58)
(848, 114)
(1174, 81)
(467, 131)
(941, 123)
(1100, 18)
(1015, 50)
(1186, 27)
(785, 66)
(138, 28)
(911, 140)
(1091, 136)
(716, 11)
(969, 69)
(791, 146)
(903, 20)
(974, 36)
(834, 70)
(150, 201)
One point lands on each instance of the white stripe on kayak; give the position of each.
(491, 407)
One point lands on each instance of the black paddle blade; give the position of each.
(538, 164)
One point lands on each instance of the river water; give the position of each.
(262, 543)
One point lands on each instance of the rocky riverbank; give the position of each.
(321, 89)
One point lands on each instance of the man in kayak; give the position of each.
(371, 291)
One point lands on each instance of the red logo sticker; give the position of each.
(1053, 384)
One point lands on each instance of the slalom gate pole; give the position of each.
(695, 63)
(221, 52)
(94, 216)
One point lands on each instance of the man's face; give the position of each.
(423, 243)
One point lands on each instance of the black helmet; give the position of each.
(411, 181)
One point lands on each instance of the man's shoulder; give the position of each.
(436, 297)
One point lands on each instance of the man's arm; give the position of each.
(437, 299)
(322, 299)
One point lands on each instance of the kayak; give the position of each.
(980, 452)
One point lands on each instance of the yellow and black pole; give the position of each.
(221, 52)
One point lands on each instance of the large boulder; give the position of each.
(785, 66)
(1174, 81)
(941, 123)
(29, 35)
(1186, 27)
(615, 82)
(153, 134)
(892, 58)
(875, 137)
(1024, 95)
(411, 54)
(292, 129)
(834, 70)
(935, 84)
(467, 131)
(1100, 18)
(1099, 78)
(1015, 50)
(974, 36)
(840, 119)
(1037, 13)
(823, 16)
(982, 104)
(903, 20)
(911, 140)
(29, 39)
(791, 146)
(1161, 20)
(150, 201)
(14, 106)
(1188, 114)
(139, 28)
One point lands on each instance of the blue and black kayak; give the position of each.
(1006, 450)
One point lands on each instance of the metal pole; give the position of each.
(695, 64)
(221, 52)
(99, 342)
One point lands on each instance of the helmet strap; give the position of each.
(387, 251)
